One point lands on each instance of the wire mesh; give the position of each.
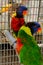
(8, 55)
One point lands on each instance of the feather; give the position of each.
(30, 53)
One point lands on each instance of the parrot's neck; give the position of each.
(19, 46)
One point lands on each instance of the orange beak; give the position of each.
(39, 30)
(25, 12)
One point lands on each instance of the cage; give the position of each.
(8, 56)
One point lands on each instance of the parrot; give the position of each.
(27, 47)
(18, 21)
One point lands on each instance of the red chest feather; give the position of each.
(19, 45)
(16, 23)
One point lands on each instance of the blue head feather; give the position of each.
(33, 26)
(20, 10)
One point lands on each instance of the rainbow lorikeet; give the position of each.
(27, 47)
(18, 20)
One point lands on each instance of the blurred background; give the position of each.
(8, 56)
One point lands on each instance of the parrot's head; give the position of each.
(34, 26)
(22, 11)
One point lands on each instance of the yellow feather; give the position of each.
(13, 14)
(26, 29)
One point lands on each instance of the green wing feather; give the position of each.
(30, 52)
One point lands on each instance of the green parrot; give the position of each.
(27, 47)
